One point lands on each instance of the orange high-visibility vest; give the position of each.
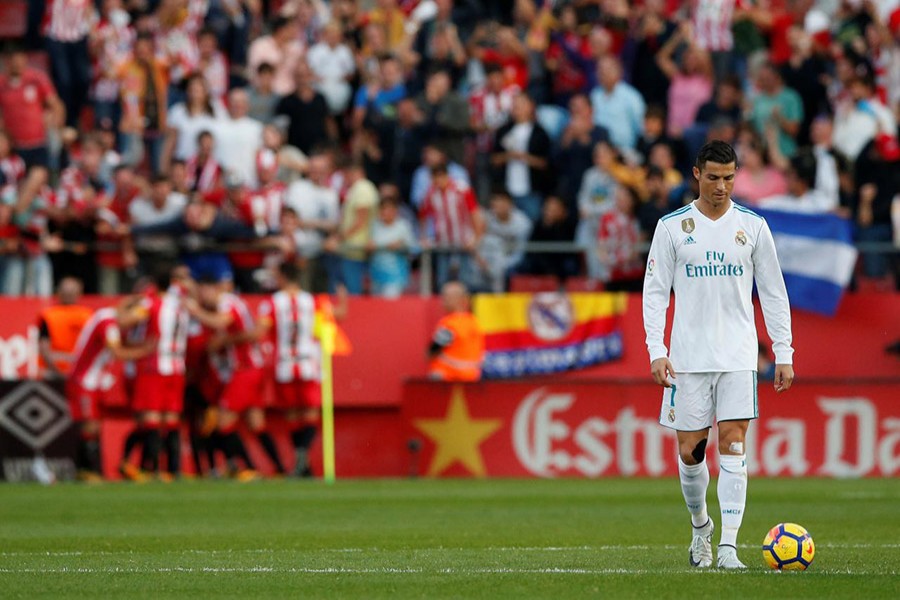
(461, 359)
(64, 324)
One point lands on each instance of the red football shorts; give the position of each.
(210, 386)
(84, 405)
(298, 394)
(158, 393)
(244, 391)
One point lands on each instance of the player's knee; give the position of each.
(693, 452)
(227, 420)
(151, 419)
(731, 442)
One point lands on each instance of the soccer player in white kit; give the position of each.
(710, 252)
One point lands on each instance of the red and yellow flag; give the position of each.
(534, 334)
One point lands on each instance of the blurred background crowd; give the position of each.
(507, 144)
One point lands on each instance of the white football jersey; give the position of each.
(712, 265)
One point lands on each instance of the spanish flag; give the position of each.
(536, 334)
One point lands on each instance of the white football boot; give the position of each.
(728, 558)
(701, 545)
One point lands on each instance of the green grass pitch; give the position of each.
(612, 538)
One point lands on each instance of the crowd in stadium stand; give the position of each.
(361, 138)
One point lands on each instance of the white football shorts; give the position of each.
(696, 398)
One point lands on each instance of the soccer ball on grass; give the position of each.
(788, 547)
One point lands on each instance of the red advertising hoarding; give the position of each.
(596, 429)
(390, 338)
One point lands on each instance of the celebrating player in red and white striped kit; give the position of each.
(289, 317)
(94, 375)
(159, 381)
(243, 391)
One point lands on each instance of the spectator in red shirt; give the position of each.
(212, 63)
(451, 219)
(12, 167)
(618, 242)
(80, 191)
(510, 53)
(25, 94)
(568, 78)
(116, 257)
(489, 108)
(204, 173)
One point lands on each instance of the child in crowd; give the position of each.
(392, 240)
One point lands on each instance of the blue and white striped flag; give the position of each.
(817, 257)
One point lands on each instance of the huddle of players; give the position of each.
(193, 348)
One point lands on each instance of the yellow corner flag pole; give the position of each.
(329, 333)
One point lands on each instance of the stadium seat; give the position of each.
(583, 284)
(13, 18)
(533, 283)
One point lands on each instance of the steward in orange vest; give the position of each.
(457, 347)
(59, 327)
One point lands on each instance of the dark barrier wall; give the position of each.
(37, 437)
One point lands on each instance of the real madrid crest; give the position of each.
(687, 225)
(740, 238)
(671, 416)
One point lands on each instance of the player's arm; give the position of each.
(132, 312)
(660, 272)
(442, 338)
(775, 306)
(265, 319)
(209, 318)
(341, 308)
(224, 340)
(47, 354)
(126, 353)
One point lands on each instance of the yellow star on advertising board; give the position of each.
(457, 437)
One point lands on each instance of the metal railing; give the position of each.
(196, 244)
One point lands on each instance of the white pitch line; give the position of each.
(603, 548)
(400, 571)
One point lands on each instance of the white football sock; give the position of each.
(732, 490)
(694, 481)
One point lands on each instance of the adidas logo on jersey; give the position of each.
(689, 240)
